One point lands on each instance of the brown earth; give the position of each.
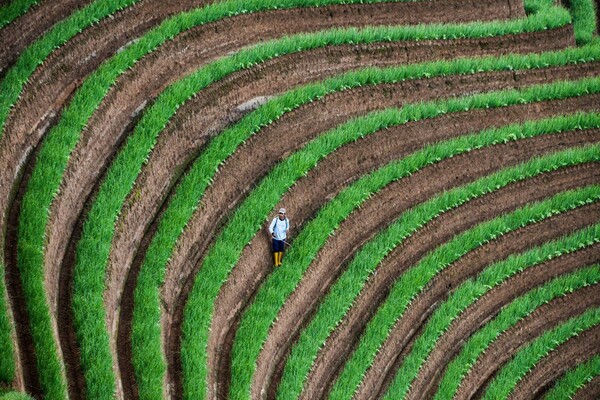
(509, 342)
(361, 226)
(23, 31)
(590, 391)
(565, 357)
(308, 125)
(343, 339)
(389, 358)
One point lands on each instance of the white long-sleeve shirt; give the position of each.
(279, 227)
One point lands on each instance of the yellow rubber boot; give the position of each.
(276, 258)
(280, 257)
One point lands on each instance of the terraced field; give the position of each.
(439, 161)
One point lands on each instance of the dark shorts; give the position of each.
(277, 245)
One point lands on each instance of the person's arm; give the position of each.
(272, 227)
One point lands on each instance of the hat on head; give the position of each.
(282, 210)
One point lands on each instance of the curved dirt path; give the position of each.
(112, 124)
(508, 343)
(254, 263)
(567, 356)
(23, 31)
(361, 226)
(449, 344)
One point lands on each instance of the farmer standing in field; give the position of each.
(278, 229)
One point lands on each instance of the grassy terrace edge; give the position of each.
(348, 286)
(477, 343)
(526, 358)
(244, 224)
(469, 292)
(63, 137)
(59, 143)
(412, 282)
(575, 379)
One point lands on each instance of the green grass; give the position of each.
(13, 10)
(584, 20)
(412, 282)
(262, 313)
(469, 292)
(7, 359)
(15, 396)
(526, 358)
(577, 378)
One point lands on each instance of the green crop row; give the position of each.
(13, 10)
(7, 359)
(65, 135)
(584, 20)
(526, 358)
(98, 229)
(479, 341)
(412, 282)
(345, 291)
(469, 292)
(568, 385)
(149, 361)
(15, 396)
